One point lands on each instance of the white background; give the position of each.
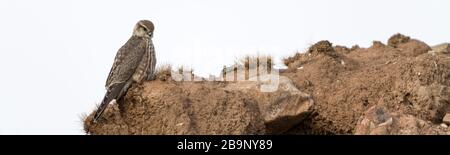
(55, 55)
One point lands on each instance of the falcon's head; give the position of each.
(144, 28)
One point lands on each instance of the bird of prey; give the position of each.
(134, 62)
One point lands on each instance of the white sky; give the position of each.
(55, 55)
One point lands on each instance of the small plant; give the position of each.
(163, 72)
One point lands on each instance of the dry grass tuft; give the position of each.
(163, 72)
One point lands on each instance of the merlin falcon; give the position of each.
(134, 62)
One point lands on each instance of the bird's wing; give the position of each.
(125, 64)
(151, 62)
(126, 61)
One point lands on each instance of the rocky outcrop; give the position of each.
(171, 108)
(402, 76)
(401, 87)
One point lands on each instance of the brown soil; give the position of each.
(402, 76)
(345, 82)
(168, 107)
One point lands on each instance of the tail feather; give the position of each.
(109, 96)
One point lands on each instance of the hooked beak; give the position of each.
(150, 34)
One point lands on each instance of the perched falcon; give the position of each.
(134, 62)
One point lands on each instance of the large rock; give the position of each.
(217, 108)
(377, 120)
(281, 109)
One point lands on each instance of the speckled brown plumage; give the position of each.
(134, 62)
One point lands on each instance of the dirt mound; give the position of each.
(326, 90)
(158, 107)
(402, 76)
(167, 107)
